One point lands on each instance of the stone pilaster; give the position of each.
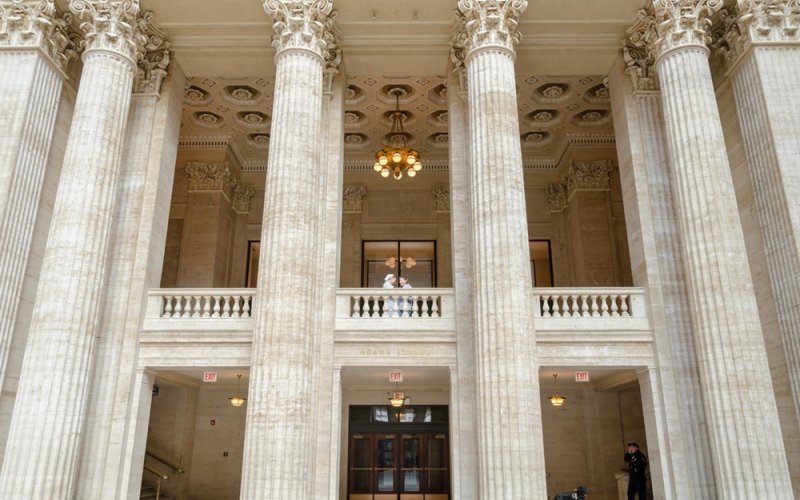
(41, 455)
(134, 264)
(762, 49)
(34, 52)
(280, 430)
(508, 406)
(682, 466)
(737, 391)
(464, 416)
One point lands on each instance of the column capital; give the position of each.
(35, 23)
(682, 23)
(110, 25)
(211, 177)
(152, 65)
(487, 23)
(242, 196)
(637, 53)
(556, 196)
(441, 195)
(306, 25)
(353, 198)
(758, 22)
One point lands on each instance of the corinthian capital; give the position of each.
(770, 20)
(303, 24)
(110, 25)
(637, 53)
(34, 23)
(489, 23)
(682, 23)
(152, 66)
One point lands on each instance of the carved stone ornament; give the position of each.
(303, 24)
(211, 177)
(758, 22)
(33, 23)
(152, 66)
(637, 54)
(556, 197)
(682, 23)
(242, 196)
(353, 198)
(110, 25)
(441, 195)
(490, 23)
(588, 176)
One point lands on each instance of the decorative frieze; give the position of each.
(353, 198)
(441, 196)
(490, 23)
(110, 25)
(682, 23)
(304, 24)
(35, 23)
(152, 66)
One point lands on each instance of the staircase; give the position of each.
(149, 493)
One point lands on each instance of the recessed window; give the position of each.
(253, 250)
(415, 260)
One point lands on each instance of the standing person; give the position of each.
(637, 463)
(406, 306)
(390, 306)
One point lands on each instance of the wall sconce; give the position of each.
(555, 399)
(237, 400)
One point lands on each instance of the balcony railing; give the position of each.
(170, 303)
(590, 308)
(395, 303)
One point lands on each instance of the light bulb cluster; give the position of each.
(397, 161)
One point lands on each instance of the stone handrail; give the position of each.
(405, 303)
(168, 303)
(589, 302)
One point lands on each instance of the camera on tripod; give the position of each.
(579, 494)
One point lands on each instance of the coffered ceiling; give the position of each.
(567, 46)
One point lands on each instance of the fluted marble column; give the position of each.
(34, 52)
(510, 444)
(762, 50)
(41, 456)
(746, 447)
(279, 437)
(134, 265)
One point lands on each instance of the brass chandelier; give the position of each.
(398, 158)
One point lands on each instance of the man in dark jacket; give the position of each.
(637, 463)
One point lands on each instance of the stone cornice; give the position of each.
(304, 24)
(152, 66)
(353, 198)
(441, 196)
(110, 25)
(682, 23)
(35, 23)
(490, 23)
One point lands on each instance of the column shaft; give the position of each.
(31, 91)
(41, 455)
(510, 443)
(767, 104)
(746, 447)
(277, 454)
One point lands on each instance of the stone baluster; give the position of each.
(43, 444)
(739, 403)
(508, 403)
(279, 435)
(34, 53)
(761, 47)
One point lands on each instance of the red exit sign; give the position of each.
(209, 376)
(581, 376)
(395, 376)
